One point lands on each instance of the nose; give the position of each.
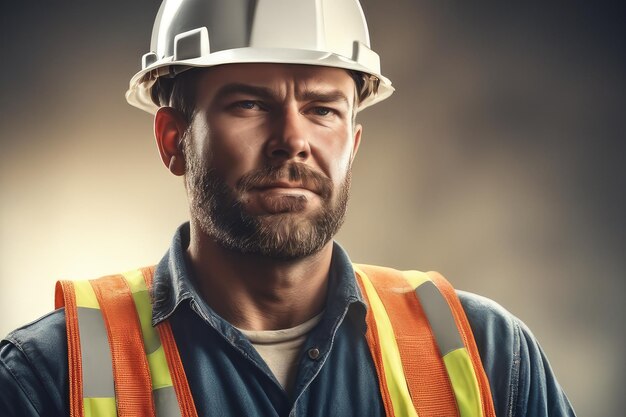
(289, 138)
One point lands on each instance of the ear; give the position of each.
(169, 129)
(358, 131)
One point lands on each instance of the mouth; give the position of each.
(287, 187)
(280, 199)
(294, 179)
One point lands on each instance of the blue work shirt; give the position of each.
(227, 376)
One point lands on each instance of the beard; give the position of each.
(286, 234)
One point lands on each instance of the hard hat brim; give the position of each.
(139, 92)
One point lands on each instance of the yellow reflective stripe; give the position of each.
(159, 371)
(142, 303)
(135, 280)
(392, 364)
(143, 306)
(415, 278)
(464, 383)
(157, 362)
(85, 297)
(99, 407)
(141, 297)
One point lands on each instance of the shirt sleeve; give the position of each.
(17, 384)
(520, 377)
(33, 369)
(539, 393)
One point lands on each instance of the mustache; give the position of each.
(293, 172)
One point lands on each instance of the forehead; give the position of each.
(283, 79)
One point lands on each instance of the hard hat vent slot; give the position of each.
(191, 44)
(148, 59)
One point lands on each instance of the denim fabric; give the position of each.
(228, 377)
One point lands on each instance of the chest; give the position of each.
(335, 375)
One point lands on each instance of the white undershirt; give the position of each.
(280, 349)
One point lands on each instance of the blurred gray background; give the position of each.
(498, 161)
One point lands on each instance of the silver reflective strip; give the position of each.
(96, 357)
(440, 317)
(165, 402)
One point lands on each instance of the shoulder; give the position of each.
(490, 321)
(33, 367)
(520, 376)
(40, 337)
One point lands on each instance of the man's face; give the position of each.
(268, 156)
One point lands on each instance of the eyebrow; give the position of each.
(329, 96)
(236, 88)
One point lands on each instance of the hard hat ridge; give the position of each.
(204, 33)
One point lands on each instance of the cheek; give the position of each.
(235, 149)
(337, 152)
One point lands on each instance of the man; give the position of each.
(257, 311)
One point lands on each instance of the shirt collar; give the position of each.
(173, 283)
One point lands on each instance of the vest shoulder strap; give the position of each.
(422, 345)
(141, 372)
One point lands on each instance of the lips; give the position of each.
(287, 186)
(277, 198)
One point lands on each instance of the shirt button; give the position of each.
(314, 353)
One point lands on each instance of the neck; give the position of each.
(254, 292)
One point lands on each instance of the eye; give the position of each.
(247, 105)
(322, 111)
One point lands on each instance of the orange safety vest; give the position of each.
(421, 343)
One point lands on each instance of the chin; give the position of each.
(287, 237)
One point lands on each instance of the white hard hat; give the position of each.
(204, 33)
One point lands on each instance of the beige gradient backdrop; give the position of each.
(498, 162)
